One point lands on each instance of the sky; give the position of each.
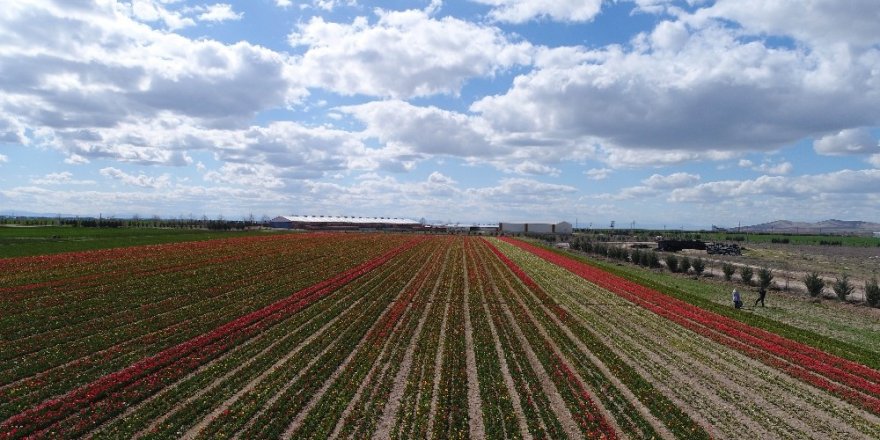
(657, 113)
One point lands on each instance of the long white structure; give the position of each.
(341, 222)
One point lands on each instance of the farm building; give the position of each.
(342, 222)
(535, 228)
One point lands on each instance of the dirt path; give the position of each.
(476, 427)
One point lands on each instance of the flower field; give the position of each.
(394, 336)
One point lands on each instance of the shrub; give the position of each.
(684, 264)
(843, 287)
(872, 293)
(672, 263)
(728, 270)
(814, 283)
(765, 277)
(746, 274)
(698, 265)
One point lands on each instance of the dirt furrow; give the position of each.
(476, 427)
(438, 364)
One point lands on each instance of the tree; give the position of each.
(728, 270)
(746, 274)
(684, 265)
(672, 263)
(843, 287)
(814, 283)
(699, 266)
(872, 292)
(765, 277)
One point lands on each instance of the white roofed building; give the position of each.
(342, 222)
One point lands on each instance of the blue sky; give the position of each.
(659, 112)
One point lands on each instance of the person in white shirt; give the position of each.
(737, 300)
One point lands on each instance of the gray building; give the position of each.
(562, 228)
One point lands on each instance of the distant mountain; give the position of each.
(831, 226)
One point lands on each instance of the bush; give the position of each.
(728, 270)
(872, 293)
(699, 266)
(746, 274)
(684, 265)
(765, 277)
(843, 287)
(814, 283)
(672, 263)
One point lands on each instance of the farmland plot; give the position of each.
(384, 336)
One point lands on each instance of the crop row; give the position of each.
(726, 389)
(99, 400)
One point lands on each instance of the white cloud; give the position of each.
(220, 12)
(283, 3)
(404, 54)
(768, 167)
(874, 160)
(813, 21)
(422, 130)
(689, 89)
(4, 158)
(62, 178)
(849, 141)
(521, 11)
(73, 90)
(141, 180)
(674, 180)
(598, 173)
(844, 182)
(536, 169)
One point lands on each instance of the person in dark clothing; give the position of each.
(762, 293)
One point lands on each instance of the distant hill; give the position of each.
(824, 227)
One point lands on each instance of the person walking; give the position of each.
(737, 300)
(762, 293)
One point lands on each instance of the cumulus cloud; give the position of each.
(521, 11)
(4, 158)
(404, 54)
(102, 69)
(846, 142)
(688, 88)
(141, 180)
(423, 130)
